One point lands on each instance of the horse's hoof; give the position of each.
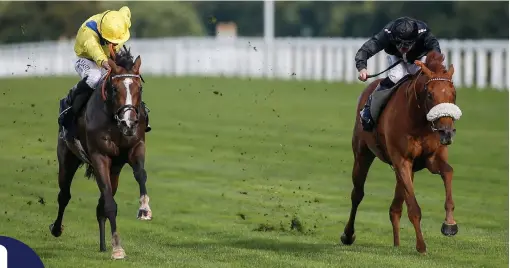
(144, 215)
(347, 240)
(449, 229)
(421, 250)
(56, 232)
(118, 254)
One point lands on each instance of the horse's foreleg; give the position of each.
(439, 165)
(101, 220)
(363, 159)
(449, 227)
(396, 209)
(114, 177)
(405, 176)
(68, 164)
(396, 212)
(100, 213)
(137, 162)
(101, 165)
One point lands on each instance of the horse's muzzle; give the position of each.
(446, 135)
(127, 124)
(128, 128)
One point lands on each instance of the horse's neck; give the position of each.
(96, 104)
(413, 107)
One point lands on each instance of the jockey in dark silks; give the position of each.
(404, 39)
(91, 48)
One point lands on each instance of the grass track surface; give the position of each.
(229, 159)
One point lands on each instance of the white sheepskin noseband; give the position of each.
(443, 110)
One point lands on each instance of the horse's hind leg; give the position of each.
(68, 163)
(363, 159)
(101, 220)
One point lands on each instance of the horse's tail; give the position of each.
(89, 172)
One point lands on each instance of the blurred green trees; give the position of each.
(39, 21)
(156, 19)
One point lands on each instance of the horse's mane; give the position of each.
(124, 59)
(435, 61)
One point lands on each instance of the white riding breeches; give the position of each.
(85, 67)
(402, 69)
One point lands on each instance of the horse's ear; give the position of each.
(136, 66)
(423, 68)
(451, 70)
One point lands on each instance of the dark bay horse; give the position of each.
(413, 133)
(110, 134)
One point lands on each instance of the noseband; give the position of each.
(442, 109)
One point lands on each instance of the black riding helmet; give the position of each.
(404, 32)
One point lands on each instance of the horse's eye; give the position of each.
(429, 95)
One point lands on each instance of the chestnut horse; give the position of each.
(110, 134)
(412, 133)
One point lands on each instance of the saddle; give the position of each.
(381, 98)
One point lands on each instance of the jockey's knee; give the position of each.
(94, 76)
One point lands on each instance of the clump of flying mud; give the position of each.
(295, 226)
(281, 218)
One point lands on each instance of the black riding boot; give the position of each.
(147, 110)
(70, 107)
(370, 112)
(366, 118)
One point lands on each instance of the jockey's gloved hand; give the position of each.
(106, 65)
(363, 73)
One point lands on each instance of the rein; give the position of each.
(112, 54)
(393, 65)
(387, 69)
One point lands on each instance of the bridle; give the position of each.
(425, 87)
(118, 115)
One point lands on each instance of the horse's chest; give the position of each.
(424, 147)
(119, 142)
(109, 145)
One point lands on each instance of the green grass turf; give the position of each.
(267, 150)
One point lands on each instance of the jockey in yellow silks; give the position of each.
(92, 49)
